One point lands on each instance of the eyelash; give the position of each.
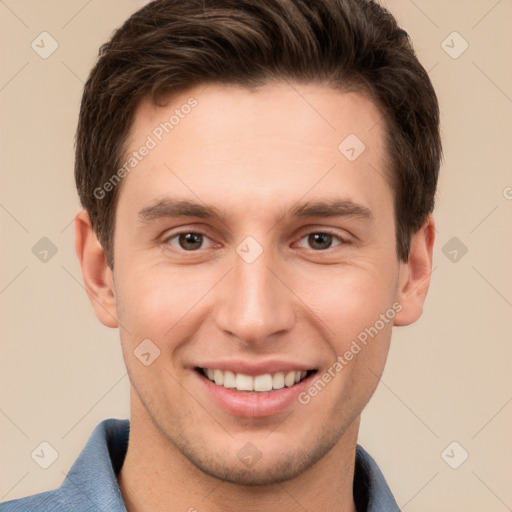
(341, 240)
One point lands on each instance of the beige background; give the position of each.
(448, 376)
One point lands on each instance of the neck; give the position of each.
(156, 476)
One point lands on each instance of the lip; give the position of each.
(252, 404)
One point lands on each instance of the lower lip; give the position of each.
(253, 405)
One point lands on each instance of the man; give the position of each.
(258, 178)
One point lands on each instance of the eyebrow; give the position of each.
(169, 207)
(181, 208)
(333, 208)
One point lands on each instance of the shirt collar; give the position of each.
(371, 491)
(93, 475)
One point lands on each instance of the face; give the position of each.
(254, 251)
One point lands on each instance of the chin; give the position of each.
(250, 466)
(263, 473)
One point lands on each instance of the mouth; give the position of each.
(263, 383)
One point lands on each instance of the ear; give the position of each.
(414, 278)
(98, 279)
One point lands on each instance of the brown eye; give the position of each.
(190, 241)
(187, 240)
(320, 241)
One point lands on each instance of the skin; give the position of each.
(253, 154)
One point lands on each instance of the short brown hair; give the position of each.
(169, 46)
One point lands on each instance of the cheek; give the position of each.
(358, 306)
(153, 301)
(350, 300)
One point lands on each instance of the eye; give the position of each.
(188, 240)
(321, 241)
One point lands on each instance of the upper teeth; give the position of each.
(264, 382)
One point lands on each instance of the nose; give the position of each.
(255, 303)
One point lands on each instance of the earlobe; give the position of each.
(415, 274)
(95, 271)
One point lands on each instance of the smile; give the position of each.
(256, 383)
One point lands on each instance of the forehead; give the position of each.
(234, 144)
(304, 112)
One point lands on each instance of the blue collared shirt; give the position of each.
(91, 484)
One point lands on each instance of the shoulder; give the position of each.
(48, 500)
(91, 482)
